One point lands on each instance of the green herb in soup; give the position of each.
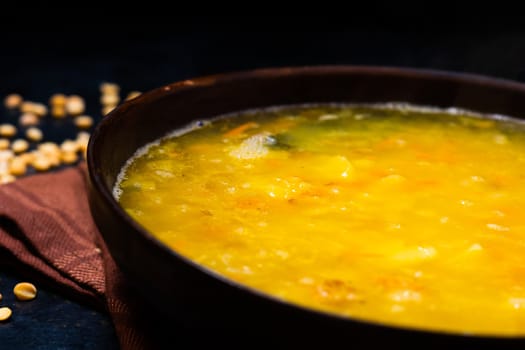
(388, 213)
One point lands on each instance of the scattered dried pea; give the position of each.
(75, 105)
(4, 144)
(19, 145)
(69, 146)
(69, 157)
(109, 99)
(55, 159)
(13, 101)
(57, 100)
(109, 88)
(6, 178)
(6, 154)
(83, 135)
(39, 109)
(17, 167)
(58, 111)
(7, 130)
(41, 163)
(28, 119)
(4, 167)
(27, 157)
(26, 107)
(5, 313)
(51, 152)
(60, 106)
(25, 291)
(83, 121)
(34, 134)
(49, 148)
(83, 140)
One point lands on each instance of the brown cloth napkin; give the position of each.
(46, 228)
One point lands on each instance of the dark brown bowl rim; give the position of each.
(96, 178)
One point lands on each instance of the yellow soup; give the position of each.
(387, 213)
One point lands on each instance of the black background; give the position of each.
(145, 52)
(74, 57)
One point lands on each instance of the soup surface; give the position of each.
(390, 213)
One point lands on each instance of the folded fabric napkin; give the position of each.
(46, 228)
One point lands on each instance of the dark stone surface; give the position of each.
(51, 321)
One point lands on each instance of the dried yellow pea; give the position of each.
(83, 135)
(7, 178)
(7, 130)
(6, 154)
(82, 141)
(109, 88)
(4, 167)
(34, 134)
(54, 159)
(40, 109)
(49, 148)
(109, 99)
(27, 157)
(25, 291)
(34, 107)
(41, 163)
(69, 146)
(51, 152)
(69, 157)
(26, 107)
(13, 101)
(57, 100)
(17, 167)
(19, 145)
(4, 144)
(83, 121)
(5, 313)
(28, 119)
(75, 105)
(58, 111)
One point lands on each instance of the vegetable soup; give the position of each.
(390, 213)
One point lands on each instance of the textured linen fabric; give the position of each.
(47, 229)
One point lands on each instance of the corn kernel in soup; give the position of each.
(393, 214)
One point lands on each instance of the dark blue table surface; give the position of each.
(52, 321)
(38, 64)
